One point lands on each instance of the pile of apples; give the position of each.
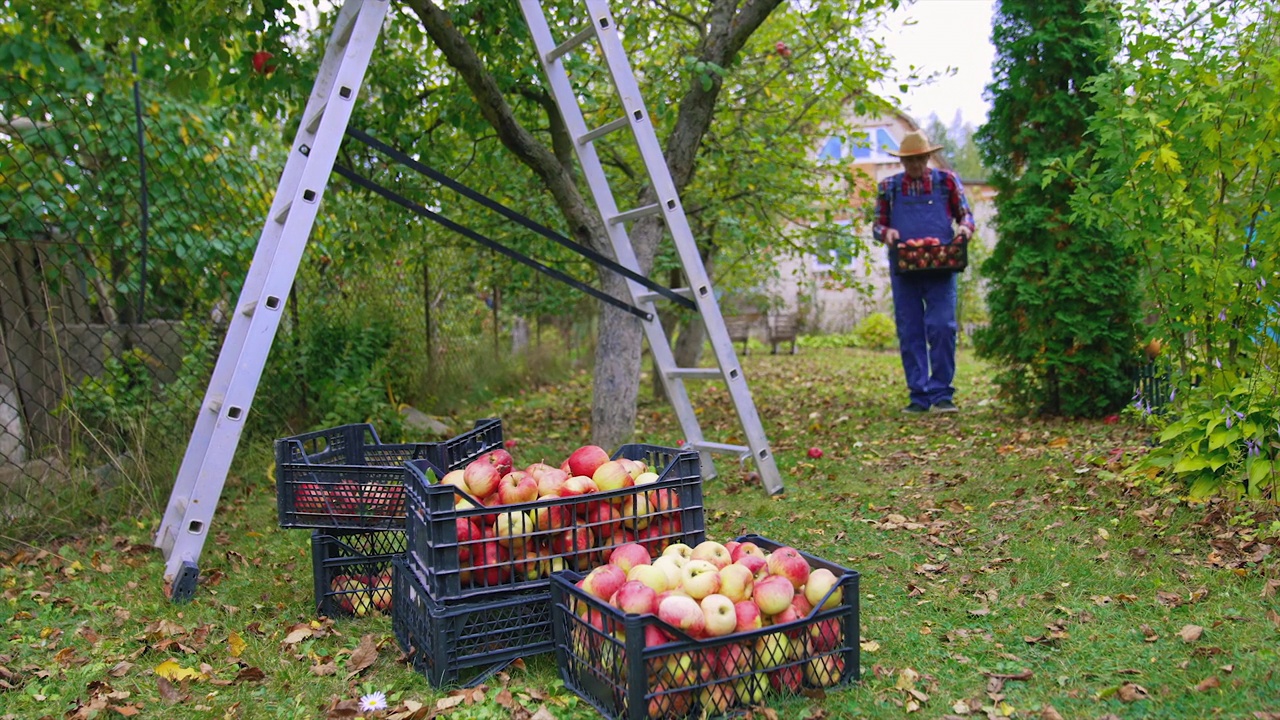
(362, 595)
(349, 498)
(710, 593)
(913, 254)
(533, 531)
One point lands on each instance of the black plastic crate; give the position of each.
(602, 654)
(352, 571)
(458, 452)
(464, 641)
(667, 511)
(928, 260)
(342, 478)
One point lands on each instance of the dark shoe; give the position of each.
(945, 406)
(915, 409)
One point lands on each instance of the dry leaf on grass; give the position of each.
(1190, 633)
(1048, 712)
(1132, 692)
(362, 657)
(1208, 683)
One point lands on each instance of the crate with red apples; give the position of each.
(928, 255)
(701, 630)
(351, 571)
(493, 525)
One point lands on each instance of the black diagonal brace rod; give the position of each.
(523, 220)
(435, 217)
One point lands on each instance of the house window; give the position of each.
(870, 146)
(831, 150)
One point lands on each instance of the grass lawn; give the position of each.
(1007, 571)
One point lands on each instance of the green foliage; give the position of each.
(958, 146)
(1061, 299)
(876, 332)
(1186, 175)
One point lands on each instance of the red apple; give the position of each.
(469, 537)
(682, 613)
(746, 548)
(382, 592)
(551, 482)
(787, 679)
(551, 517)
(482, 479)
(789, 563)
(825, 635)
(536, 469)
(517, 487)
(815, 452)
(603, 518)
(636, 598)
(612, 475)
(773, 594)
(577, 546)
(758, 566)
(585, 460)
(500, 459)
(310, 498)
(748, 616)
(717, 698)
(491, 565)
(629, 555)
(345, 498)
(604, 581)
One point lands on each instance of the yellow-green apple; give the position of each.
(548, 565)
(712, 552)
(647, 478)
(822, 583)
(682, 613)
(789, 563)
(603, 518)
(736, 582)
(604, 581)
(671, 568)
(679, 551)
(747, 548)
(529, 564)
(825, 635)
(482, 478)
(612, 476)
(824, 670)
(776, 649)
(551, 517)
(757, 565)
(352, 594)
(382, 592)
(456, 478)
(773, 594)
(699, 579)
(500, 459)
(654, 577)
(748, 616)
(752, 688)
(512, 529)
(719, 615)
(551, 482)
(716, 699)
(635, 511)
(635, 597)
(629, 555)
(787, 679)
(517, 487)
(585, 460)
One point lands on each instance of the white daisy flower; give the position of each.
(373, 702)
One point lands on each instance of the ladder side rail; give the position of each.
(593, 172)
(251, 290)
(263, 317)
(660, 176)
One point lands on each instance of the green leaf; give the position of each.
(1223, 436)
(1190, 463)
(1260, 469)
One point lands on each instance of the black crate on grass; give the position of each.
(352, 571)
(456, 641)
(457, 452)
(602, 654)
(668, 510)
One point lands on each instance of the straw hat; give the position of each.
(914, 144)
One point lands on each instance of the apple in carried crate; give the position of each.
(612, 475)
(629, 555)
(712, 552)
(773, 594)
(748, 617)
(719, 616)
(517, 487)
(683, 613)
(636, 598)
(482, 479)
(821, 582)
(603, 581)
(746, 548)
(699, 579)
(736, 582)
(500, 459)
(789, 563)
(585, 460)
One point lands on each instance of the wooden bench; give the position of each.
(739, 327)
(782, 328)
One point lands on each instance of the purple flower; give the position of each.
(1172, 394)
(1253, 448)
(1252, 263)
(1222, 316)
(1217, 363)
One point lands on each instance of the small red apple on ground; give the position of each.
(815, 452)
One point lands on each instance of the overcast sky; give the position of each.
(934, 35)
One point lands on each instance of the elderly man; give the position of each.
(924, 202)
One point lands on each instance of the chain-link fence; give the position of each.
(128, 219)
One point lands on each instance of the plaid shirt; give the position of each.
(958, 205)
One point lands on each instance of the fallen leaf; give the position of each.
(120, 669)
(1190, 633)
(363, 656)
(1208, 683)
(545, 714)
(1148, 634)
(126, 710)
(1274, 617)
(1132, 692)
(869, 646)
(980, 611)
(1049, 713)
(324, 670)
(1168, 599)
(236, 644)
(1270, 588)
(446, 703)
(171, 670)
(170, 694)
(250, 674)
(298, 633)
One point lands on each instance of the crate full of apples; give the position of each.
(343, 478)
(352, 571)
(493, 524)
(697, 631)
(928, 255)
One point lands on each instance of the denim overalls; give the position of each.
(924, 306)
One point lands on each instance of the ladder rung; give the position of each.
(284, 212)
(650, 296)
(636, 214)
(570, 44)
(696, 373)
(727, 448)
(215, 406)
(313, 122)
(248, 308)
(602, 130)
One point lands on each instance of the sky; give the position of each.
(935, 35)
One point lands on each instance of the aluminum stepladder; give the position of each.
(601, 26)
(258, 311)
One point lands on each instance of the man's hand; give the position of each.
(963, 234)
(890, 236)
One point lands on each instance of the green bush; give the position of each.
(876, 332)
